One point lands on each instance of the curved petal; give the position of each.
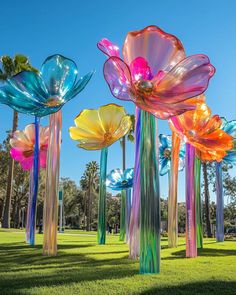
(111, 116)
(30, 85)
(140, 69)
(230, 127)
(163, 111)
(164, 166)
(118, 77)
(78, 86)
(161, 50)
(187, 79)
(59, 74)
(108, 48)
(123, 128)
(43, 158)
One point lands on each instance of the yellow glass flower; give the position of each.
(97, 129)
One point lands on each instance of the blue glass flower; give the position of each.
(44, 93)
(230, 128)
(165, 148)
(119, 180)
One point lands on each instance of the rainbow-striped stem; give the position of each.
(173, 191)
(50, 218)
(150, 196)
(198, 202)
(191, 243)
(122, 216)
(33, 205)
(101, 234)
(219, 204)
(134, 238)
(127, 212)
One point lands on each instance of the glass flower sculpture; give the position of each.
(165, 148)
(120, 180)
(22, 150)
(208, 142)
(97, 130)
(156, 75)
(40, 95)
(22, 146)
(230, 158)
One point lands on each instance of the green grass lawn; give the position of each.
(82, 267)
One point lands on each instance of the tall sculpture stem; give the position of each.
(191, 243)
(101, 234)
(122, 216)
(173, 191)
(198, 202)
(150, 196)
(29, 207)
(219, 204)
(127, 213)
(33, 199)
(134, 234)
(50, 220)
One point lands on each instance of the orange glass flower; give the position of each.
(201, 130)
(97, 129)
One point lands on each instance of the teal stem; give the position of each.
(122, 216)
(101, 234)
(150, 196)
(198, 202)
(219, 204)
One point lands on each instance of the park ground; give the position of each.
(83, 267)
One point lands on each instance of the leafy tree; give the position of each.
(90, 185)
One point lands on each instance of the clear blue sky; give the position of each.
(72, 28)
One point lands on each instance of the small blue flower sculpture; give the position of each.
(118, 180)
(230, 128)
(165, 148)
(44, 93)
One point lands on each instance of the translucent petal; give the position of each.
(164, 166)
(30, 85)
(118, 179)
(162, 51)
(111, 116)
(118, 77)
(78, 86)
(108, 48)
(123, 128)
(187, 79)
(59, 74)
(230, 128)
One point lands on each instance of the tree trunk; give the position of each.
(207, 201)
(7, 208)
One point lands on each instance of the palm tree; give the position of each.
(207, 200)
(89, 183)
(11, 67)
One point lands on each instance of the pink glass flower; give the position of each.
(155, 73)
(22, 146)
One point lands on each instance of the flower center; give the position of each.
(167, 153)
(124, 182)
(53, 102)
(107, 136)
(144, 87)
(191, 133)
(28, 153)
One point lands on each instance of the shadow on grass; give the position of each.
(202, 252)
(208, 287)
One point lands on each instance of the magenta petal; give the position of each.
(16, 155)
(43, 159)
(108, 48)
(27, 163)
(140, 69)
(118, 77)
(187, 79)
